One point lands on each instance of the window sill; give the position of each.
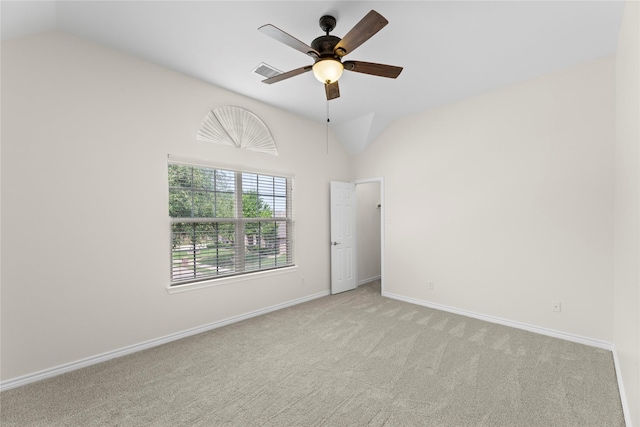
(233, 279)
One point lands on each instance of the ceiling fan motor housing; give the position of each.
(325, 46)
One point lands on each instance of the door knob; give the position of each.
(335, 243)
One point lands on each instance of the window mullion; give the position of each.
(204, 220)
(193, 248)
(239, 246)
(192, 195)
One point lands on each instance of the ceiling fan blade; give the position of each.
(360, 33)
(289, 40)
(332, 90)
(288, 74)
(382, 70)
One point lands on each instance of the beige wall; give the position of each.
(505, 202)
(626, 335)
(85, 230)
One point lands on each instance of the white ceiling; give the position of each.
(450, 50)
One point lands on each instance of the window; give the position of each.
(226, 222)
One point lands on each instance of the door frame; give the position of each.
(379, 179)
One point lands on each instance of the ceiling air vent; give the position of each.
(266, 70)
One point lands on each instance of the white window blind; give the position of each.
(227, 222)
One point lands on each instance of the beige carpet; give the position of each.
(353, 359)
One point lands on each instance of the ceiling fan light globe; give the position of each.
(328, 70)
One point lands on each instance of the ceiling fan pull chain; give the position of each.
(328, 126)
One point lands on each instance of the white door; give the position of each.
(343, 253)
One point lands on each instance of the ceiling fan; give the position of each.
(327, 52)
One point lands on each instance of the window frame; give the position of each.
(239, 222)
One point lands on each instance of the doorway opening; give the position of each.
(370, 231)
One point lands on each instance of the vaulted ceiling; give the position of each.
(450, 50)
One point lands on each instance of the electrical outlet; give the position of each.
(302, 281)
(555, 306)
(431, 285)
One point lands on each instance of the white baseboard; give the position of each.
(370, 279)
(623, 395)
(68, 367)
(531, 328)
